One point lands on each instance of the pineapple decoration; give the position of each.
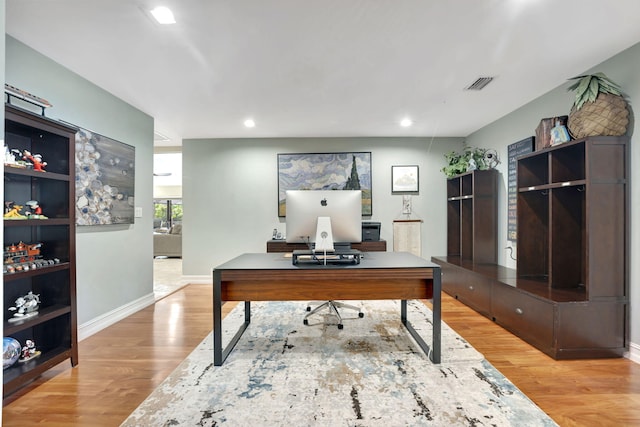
(600, 109)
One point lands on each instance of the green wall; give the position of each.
(230, 190)
(114, 263)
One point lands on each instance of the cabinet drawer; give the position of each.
(529, 318)
(470, 288)
(475, 291)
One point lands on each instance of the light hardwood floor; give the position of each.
(122, 364)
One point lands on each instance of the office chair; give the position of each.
(333, 308)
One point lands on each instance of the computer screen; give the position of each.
(343, 207)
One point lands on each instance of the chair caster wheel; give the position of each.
(340, 326)
(308, 308)
(361, 315)
(305, 321)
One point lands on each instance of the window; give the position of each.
(167, 212)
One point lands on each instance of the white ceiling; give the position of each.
(305, 68)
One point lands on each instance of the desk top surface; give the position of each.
(370, 260)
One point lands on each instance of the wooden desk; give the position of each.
(273, 277)
(366, 246)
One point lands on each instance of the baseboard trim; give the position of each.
(198, 280)
(101, 322)
(634, 352)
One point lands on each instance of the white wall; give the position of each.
(230, 192)
(623, 69)
(114, 266)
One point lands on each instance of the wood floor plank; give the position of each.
(121, 365)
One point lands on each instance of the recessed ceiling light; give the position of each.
(249, 123)
(406, 122)
(163, 15)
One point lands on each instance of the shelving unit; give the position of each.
(569, 294)
(472, 216)
(54, 328)
(572, 217)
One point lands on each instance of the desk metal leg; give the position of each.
(220, 354)
(437, 314)
(432, 352)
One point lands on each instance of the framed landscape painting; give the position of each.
(325, 171)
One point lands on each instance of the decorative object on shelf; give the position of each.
(14, 92)
(600, 108)
(471, 158)
(543, 131)
(405, 179)
(13, 158)
(29, 351)
(35, 160)
(491, 159)
(24, 257)
(11, 351)
(559, 134)
(35, 211)
(325, 171)
(105, 177)
(26, 306)
(12, 211)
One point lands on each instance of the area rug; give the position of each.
(371, 373)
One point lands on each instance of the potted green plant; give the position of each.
(469, 158)
(600, 108)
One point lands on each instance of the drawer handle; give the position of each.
(519, 311)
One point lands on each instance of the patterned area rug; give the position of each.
(371, 373)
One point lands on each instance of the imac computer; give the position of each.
(321, 217)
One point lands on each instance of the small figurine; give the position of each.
(13, 158)
(559, 134)
(36, 160)
(29, 351)
(9, 158)
(26, 306)
(12, 211)
(472, 165)
(36, 210)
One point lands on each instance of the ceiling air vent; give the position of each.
(479, 84)
(158, 137)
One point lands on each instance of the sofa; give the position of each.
(168, 243)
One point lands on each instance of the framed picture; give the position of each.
(105, 179)
(404, 179)
(325, 171)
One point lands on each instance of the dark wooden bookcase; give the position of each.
(472, 216)
(54, 328)
(569, 294)
(572, 217)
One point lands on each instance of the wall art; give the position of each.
(325, 171)
(404, 179)
(105, 178)
(513, 151)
